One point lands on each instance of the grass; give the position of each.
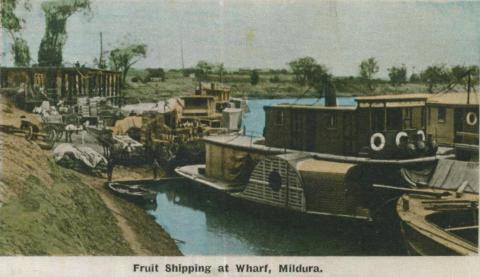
(66, 218)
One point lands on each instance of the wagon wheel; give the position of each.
(28, 132)
(51, 135)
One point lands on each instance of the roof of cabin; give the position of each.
(197, 97)
(245, 142)
(315, 107)
(454, 98)
(399, 97)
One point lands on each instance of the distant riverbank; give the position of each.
(142, 88)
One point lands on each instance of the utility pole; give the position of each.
(100, 61)
(181, 49)
(469, 86)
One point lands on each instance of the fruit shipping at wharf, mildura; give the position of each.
(228, 131)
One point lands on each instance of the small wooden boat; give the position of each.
(133, 193)
(447, 226)
(443, 218)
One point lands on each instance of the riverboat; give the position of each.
(323, 160)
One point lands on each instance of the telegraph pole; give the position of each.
(469, 85)
(100, 61)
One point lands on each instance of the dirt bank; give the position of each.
(46, 209)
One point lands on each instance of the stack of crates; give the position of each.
(94, 106)
(83, 107)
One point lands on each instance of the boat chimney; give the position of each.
(330, 95)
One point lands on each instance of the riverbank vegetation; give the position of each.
(156, 83)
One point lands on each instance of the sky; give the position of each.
(270, 33)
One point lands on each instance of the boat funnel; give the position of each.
(330, 95)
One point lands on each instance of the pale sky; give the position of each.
(270, 33)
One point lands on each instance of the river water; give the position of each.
(204, 222)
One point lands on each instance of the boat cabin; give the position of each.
(453, 118)
(200, 108)
(34, 85)
(377, 124)
(219, 92)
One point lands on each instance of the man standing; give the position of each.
(110, 166)
(156, 167)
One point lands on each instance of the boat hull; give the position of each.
(143, 199)
(420, 244)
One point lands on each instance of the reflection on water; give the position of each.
(208, 223)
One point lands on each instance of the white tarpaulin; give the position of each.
(86, 155)
(170, 105)
(450, 174)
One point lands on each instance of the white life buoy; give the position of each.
(373, 142)
(471, 118)
(422, 134)
(399, 137)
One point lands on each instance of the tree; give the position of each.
(459, 74)
(368, 68)
(21, 52)
(398, 75)
(122, 59)
(434, 75)
(56, 14)
(13, 25)
(156, 73)
(414, 78)
(202, 70)
(308, 72)
(220, 70)
(254, 77)
(302, 68)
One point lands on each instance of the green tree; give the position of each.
(202, 69)
(56, 14)
(220, 70)
(156, 73)
(414, 78)
(398, 75)
(435, 75)
(308, 72)
(459, 74)
(13, 25)
(254, 77)
(122, 59)
(21, 52)
(368, 69)
(303, 68)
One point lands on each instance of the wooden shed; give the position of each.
(37, 84)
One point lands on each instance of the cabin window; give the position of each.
(378, 120)
(407, 118)
(279, 118)
(394, 119)
(442, 115)
(331, 121)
